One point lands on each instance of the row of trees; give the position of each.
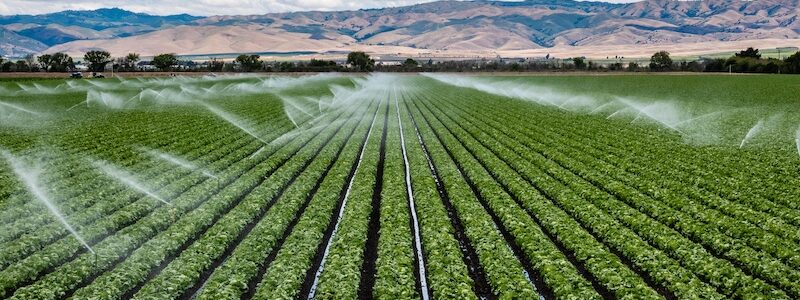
(96, 61)
(746, 61)
(356, 61)
(749, 60)
(57, 62)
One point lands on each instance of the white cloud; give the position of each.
(201, 7)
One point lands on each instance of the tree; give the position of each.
(617, 66)
(215, 65)
(165, 61)
(286, 66)
(593, 66)
(61, 62)
(318, 65)
(792, 63)
(120, 63)
(6, 67)
(30, 59)
(361, 61)
(130, 61)
(56, 62)
(749, 52)
(44, 60)
(772, 66)
(97, 59)
(22, 65)
(715, 65)
(411, 63)
(633, 66)
(249, 63)
(660, 61)
(579, 62)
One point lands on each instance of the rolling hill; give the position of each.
(454, 26)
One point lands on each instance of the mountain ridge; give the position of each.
(434, 26)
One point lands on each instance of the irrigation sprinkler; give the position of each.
(29, 175)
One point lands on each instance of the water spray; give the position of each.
(601, 107)
(30, 176)
(797, 140)
(708, 115)
(752, 132)
(178, 161)
(233, 120)
(127, 179)
(19, 108)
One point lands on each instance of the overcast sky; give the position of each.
(201, 7)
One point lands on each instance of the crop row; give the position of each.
(761, 214)
(93, 210)
(294, 266)
(133, 273)
(560, 205)
(697, 232)
(132, 236)
(91, 185)
(758, 212)
(90, 191)
(622, 282)
(95, 138)
(504, 271)
(51, 232)
(342, 271)
(679, 197)
(247, 265)
(452, 266)
(69, 249)
(183, 276)
(73, 170)
(661, 235)
(757, 179)
(397, 271)
(709, 232)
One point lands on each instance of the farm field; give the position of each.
(430, 186)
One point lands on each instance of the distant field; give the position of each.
(401, 187)
(643, 59)
(779, 53)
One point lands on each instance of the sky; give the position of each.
(201, 7)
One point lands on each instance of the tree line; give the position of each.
(746, 61)
(98, 61)
(751, 61)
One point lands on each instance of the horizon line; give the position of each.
(141, 10)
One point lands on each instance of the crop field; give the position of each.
(434, 186)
